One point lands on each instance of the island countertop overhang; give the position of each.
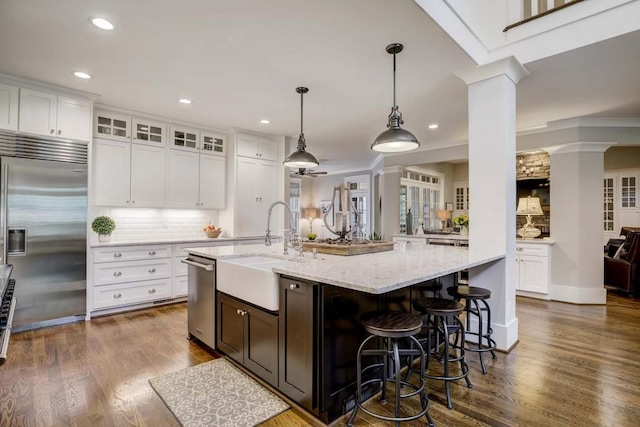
(375, 273)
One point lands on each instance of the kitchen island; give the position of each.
(306, 347)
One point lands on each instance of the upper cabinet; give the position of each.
(195, 181)
(184, 138)
(125, 128)
(256, 147)
(150, 132)
(47, 114)
(9, 96)
(211, 143)
(110, 125)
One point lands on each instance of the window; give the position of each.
(360, 198)
(608, 204)
(295, 188)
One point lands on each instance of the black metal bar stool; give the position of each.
(476, 304)
(441, 321)
(391, 326)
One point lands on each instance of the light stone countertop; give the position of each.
(171, 241)
(451, 236)
(376, 273)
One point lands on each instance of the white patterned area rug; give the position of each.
(216, 393)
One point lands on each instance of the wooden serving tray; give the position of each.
(354, 249)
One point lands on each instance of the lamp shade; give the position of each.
(529, 206)
(311, 213)
(443, 214)
(301, 159)
(394, 140)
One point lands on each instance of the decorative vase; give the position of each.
(102, 238)
(464, 230)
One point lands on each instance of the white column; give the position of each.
(492, 187)
(577, 170)
(390, 195)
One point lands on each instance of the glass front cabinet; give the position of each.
(422, 194)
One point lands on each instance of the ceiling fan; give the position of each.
(306, 172)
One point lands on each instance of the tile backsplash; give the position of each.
(150, 224)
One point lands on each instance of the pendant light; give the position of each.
(301, 158)
(395, 139)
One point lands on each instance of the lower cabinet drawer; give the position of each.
(131, 293)
(532, 249)
(180, 286)
(121, 272)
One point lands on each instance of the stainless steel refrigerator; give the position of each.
(43, 209)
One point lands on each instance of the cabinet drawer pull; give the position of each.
(51, 131)
(294, 286)
(117, 273)
(117, 255)
(118, 295)
(152, 290)
(152, 270)
(59, 132)
(152, 252)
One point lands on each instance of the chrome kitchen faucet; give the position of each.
(292, 233)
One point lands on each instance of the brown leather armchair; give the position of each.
(624, 273)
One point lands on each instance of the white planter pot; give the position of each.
(102, 238)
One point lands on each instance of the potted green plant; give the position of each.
(104, 226)
(462, 221)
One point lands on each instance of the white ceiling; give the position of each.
(240, 61)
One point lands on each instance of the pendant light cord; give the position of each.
(301, 111)
(394, 80)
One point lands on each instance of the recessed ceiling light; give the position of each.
(433, 126)
(82, 75)
(185, 101)
(102, 23)
(265, 121)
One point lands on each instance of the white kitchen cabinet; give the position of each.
(128, 175)
(195, 181)
(532, 267)
(130, 275)
(9, 98)
(184, 138)
(212, 182)
(256, 191)
(212, 143)
(147, 131)
(48, 114)
(256, 147)
(148, 174)
(112, 125)
(111, 173)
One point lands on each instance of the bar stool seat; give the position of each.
(391, 326)
(475, 305)
(440, 322)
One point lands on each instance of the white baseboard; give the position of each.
(578, 295)
(505, 336)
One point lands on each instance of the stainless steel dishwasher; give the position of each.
(201, 299)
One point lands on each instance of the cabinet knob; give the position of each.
(152, 270)
(152, 290)
(118, 295)
(238, 311)
(52, 131)
(117, 255)
(257, 154)
(294, 286)
(133, 201)
(152, 252)
(117, 273)
(59, 132)
(127, 201)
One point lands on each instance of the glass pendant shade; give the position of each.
(301, 158)
(395, 139)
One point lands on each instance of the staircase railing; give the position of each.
(534, 9)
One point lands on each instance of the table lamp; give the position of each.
(311, 214)
(443, 215)
(529, 206)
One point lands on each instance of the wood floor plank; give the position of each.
(574, 366)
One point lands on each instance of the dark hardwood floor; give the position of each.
(574, 366)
